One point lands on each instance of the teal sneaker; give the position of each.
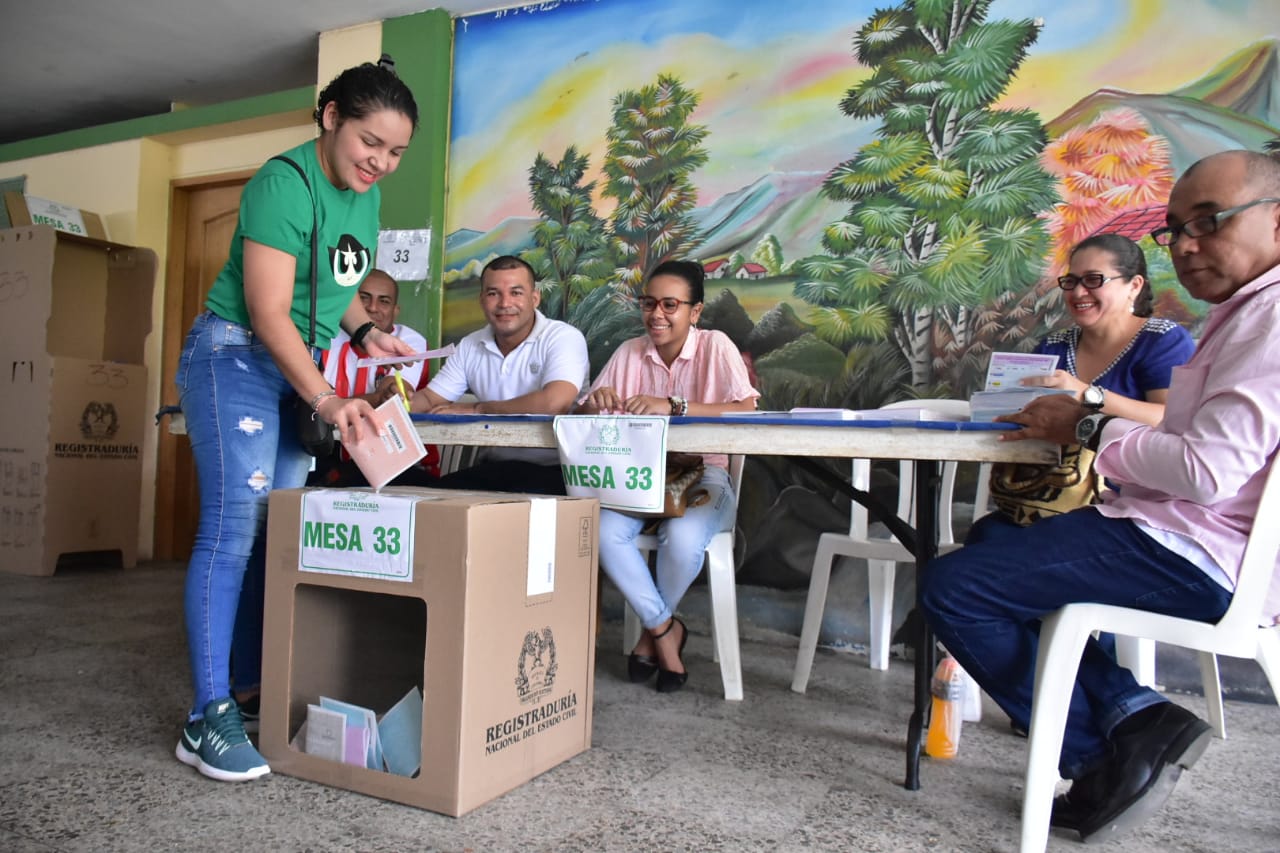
(218, 747)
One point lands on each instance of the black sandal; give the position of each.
(640, 668)
(668, 681)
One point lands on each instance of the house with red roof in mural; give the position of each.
(748, 271)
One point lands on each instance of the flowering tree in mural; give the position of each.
(571, 249)
(943, 204)
(652, 151)
(1104, 168)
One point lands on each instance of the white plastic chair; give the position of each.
(724, 597)
(1063, 635)
(881, 555)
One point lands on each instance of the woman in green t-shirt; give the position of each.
(247, 359)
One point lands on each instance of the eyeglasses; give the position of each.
(1203, 226)
(1091, 280)
(670, 304)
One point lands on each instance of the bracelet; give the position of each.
(358, 336)
(319, 398)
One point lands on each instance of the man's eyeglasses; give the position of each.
(1203, 226)
(1091, 280)
(670, 304)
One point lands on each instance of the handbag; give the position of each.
(314, 434)
(1028, 493)
(683, 486)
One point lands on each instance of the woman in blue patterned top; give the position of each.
(1116, 346)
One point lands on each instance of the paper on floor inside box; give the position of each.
(400, 731)
(357, 747)
(382, 458)
(363, 718)
(326, 733)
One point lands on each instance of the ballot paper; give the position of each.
(1007, 369)
(382, 458)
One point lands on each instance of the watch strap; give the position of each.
(1095, 437)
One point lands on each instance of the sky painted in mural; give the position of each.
(770, 76)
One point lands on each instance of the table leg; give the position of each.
(928, 483)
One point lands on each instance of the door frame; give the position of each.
(172, 335)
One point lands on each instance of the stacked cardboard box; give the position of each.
(485, 602)
(74, 317)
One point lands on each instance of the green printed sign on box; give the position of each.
(358, 533)
(618, 459)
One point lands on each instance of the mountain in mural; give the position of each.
(1247, 82)
(787, 204)
(511, 236)
(1235, 105)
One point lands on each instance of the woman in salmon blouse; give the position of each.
(675, 369)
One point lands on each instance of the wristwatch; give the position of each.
(1089, 430)
(679, 405)
(1093, 397)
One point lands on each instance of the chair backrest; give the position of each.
(1258, 567)
(736, 464)
(860, 477)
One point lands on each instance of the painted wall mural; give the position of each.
(881, 193)
(886, 193)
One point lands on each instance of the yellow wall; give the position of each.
(129, 184)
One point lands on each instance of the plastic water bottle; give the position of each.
(971, 705)
(943, 739)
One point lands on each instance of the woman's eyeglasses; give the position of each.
(669, 304)
(1091, 281)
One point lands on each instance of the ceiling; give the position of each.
(69, 64)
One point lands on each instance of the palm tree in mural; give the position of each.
(572, 252)
(605, 317)
(653, 149)
(942, 205)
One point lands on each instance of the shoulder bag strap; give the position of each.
(315, 246)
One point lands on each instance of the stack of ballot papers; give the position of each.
(350, 734)
(1003, 393)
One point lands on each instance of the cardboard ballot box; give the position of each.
(484, 601)
(74, 317)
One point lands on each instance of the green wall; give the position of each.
(422, 46)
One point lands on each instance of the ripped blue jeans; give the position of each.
(236, 404)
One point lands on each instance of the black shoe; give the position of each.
(668, 681)
(640, 668)
(1151, 749)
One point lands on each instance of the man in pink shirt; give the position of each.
(1170, 541)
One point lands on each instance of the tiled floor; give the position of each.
(94, 685)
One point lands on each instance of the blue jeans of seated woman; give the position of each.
(237, 407)
(682, 542)
(985, 602)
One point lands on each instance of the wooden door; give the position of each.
(202, 221)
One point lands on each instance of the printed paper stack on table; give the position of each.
(1004, 394)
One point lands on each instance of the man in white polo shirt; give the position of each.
(519, 363)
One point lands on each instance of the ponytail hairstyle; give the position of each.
(365, 89)
(691, 271)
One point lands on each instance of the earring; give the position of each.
(1130, 306)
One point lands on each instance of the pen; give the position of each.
(404, 395)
